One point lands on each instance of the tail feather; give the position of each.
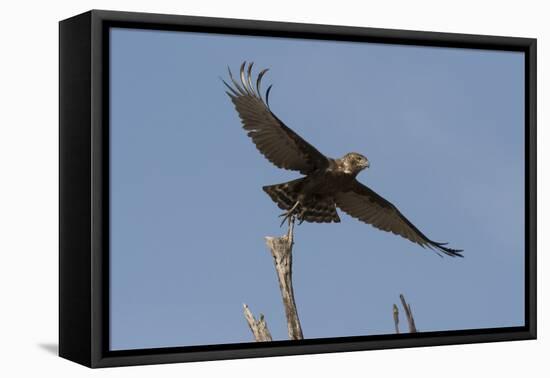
(325, 214)
(282, 194)
(319, 210)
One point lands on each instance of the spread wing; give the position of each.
(276, 141)
(364, 204)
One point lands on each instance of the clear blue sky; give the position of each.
(442, 128)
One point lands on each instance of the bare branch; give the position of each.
(281, 250)
(396, 318)
(258, 327)
(408, 313)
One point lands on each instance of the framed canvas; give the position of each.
(235, 188)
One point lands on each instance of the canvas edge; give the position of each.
(74, 189)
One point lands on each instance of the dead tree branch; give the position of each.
(258, 327)
(396, 318)
(281, 250)
(408, 314)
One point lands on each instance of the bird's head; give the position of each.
(354, 162)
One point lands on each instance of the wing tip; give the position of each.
(246, 86)
(446, 250)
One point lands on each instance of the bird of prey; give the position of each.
(327, 183)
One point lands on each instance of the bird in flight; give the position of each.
(327, 183)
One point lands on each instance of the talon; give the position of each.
(288, 214)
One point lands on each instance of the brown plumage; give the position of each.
(328, 183)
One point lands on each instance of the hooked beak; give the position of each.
(366, 164)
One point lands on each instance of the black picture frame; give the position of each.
(84, 199)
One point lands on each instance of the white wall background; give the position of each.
(29, 175)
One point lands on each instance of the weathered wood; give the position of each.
(258, 327)
(281, 250)
(396, 317)
(409, 314)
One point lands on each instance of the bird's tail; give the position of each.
(285, 195)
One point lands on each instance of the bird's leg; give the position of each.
(290, 213)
